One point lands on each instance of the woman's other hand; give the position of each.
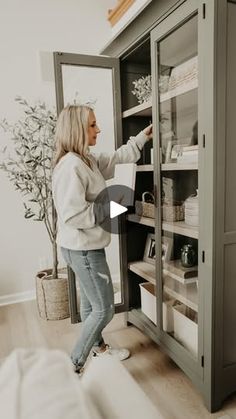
(148, 131)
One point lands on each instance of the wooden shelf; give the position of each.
(134, 218)
(187, 294)
(180, 90)
(143, 269)
(180, 227)
(144, 168)
(179, 166)
(144, 109)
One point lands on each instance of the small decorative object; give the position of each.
(176, 151)
(163, 83)
(29, 168)
(167, 189)
(150, 252)
(146, 207)
(142, 89)
(192, 210)
(167, 246)
(188, 256)
(173, 211)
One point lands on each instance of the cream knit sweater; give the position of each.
(75, 187)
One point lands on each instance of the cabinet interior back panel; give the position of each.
(230, 180)
(229, 314)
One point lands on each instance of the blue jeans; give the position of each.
(96, 298)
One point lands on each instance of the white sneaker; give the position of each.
(121, 354)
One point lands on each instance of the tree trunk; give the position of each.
(54, 244)
(55, 261)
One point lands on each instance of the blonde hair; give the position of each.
(72, 132)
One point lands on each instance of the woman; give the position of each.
(78, 178)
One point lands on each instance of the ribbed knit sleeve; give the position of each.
(127, 153)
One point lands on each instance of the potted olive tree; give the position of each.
(28, 165)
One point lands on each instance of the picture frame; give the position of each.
(173, 151)
(176, 151)
(167, 248)
(150, 249)
(150, 252)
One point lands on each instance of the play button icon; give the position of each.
(109, 208)
(116, 209)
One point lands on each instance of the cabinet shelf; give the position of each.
(179, 166)
(180, 227)
(177, 227)
(134, 218)
(143, 269)
(145, 168)
(187, 294)
(180, 90)
(144, 109)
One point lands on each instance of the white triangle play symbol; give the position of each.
(116, 209)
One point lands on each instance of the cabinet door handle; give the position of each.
(203, 256)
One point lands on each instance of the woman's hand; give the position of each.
(148, 131)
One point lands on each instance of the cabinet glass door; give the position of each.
(86, 79)
(178, 134)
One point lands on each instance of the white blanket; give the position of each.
(40, 384)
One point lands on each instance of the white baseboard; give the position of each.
(18, 297)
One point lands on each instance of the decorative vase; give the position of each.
(188, 256)
(52, 295)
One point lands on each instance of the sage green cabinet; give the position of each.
(188, 47)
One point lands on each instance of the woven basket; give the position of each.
(145, 209)
(52, 296)
(174, 212)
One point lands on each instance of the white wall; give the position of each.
(26, 28)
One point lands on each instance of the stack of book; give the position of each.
(185, 74)
(188, 154)
(174, 269)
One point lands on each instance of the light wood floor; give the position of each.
(166, 385)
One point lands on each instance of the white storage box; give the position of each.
(185, 328)
(148, 300)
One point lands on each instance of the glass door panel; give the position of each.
(84, 79)
(178, 133)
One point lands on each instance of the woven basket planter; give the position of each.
(52, 296)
